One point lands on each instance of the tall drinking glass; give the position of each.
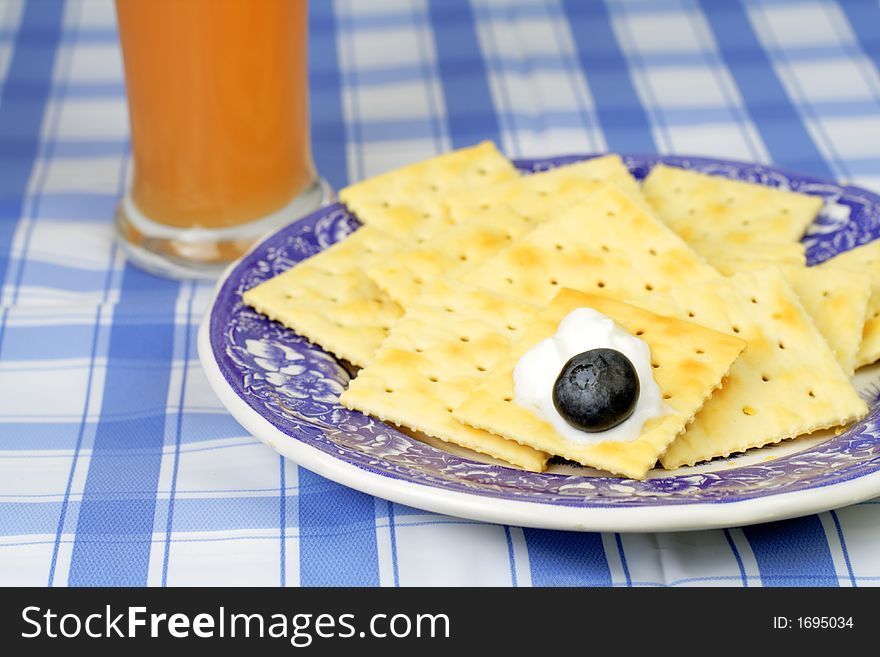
(218, 104)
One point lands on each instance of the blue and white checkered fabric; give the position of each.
(118, 465)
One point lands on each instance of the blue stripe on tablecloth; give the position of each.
(436, 111)
(77, 445)
(23, 518)
(114, 529)
(52, 342)
(392, 531)
(569, 65)
(323, 76)
(211, 514)
(567, 558)
(282, 522)
(619, 110)
(864, 17)
(48, 435)
(75, 148)
(623, 565)
(766, 101)
(331, 552)
(24, 116)
(328, 125)
(843, 548)
(85, 426)
(46, 153)
(511, 556)
(91, 90)
(337, 544)
(178, 434)
(76, 206)
(792, 553)
(738, 557)
(354, 121)
(470, 111)
(198, 427)
(56, 277)
(40, 34)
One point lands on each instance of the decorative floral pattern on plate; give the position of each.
(295, 385)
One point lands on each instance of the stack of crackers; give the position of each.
(463, 264)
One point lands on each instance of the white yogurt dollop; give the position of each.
(581, 330)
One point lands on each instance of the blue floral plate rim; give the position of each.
(283, 390)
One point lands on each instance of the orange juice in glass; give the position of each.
(218, 105)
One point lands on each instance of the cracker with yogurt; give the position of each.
(488, 219)
(864, 259)
(328, 298)
(786, 383)
(702, 207)
(609, 246)
(450, 336)
(687, 362)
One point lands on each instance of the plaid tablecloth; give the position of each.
(118, 465)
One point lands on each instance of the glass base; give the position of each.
(203, 253)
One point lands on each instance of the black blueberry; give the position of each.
(596, 390)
